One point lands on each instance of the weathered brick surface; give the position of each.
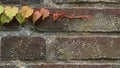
(77, 1)
(93, 43)
(23, 48)
(88, 48)
(73, 66)
(21, 1)
(104, 20)
(8, 66)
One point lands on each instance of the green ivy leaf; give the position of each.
(20, 18)
(1, 9)
(4, 19)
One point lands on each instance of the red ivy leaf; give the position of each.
(45, 13)
(55, 16)
(82, 17)
(71, 17)
(36, 16)
(62, 14)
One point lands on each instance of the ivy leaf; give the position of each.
(36, 16)
(20, 18)
(81, 17)
(11, 11)
(26, 11)
(4, 19)
(1, 9)
(55, 16)
(62, 14)
(71, 17)
(45, 13)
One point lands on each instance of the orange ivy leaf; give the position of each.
(45, 13)
(26, 11)
(36, 16)
(11, 11)
(55, 16)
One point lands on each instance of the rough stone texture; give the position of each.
(104, 20)
(23, 48)
(8, 66)
(88, 48)
(71, 65)
(77, 1)
(100, 35)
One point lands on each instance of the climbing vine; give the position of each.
(8, 13)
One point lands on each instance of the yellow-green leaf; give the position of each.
(11, 11)
(20, 18)
(4, 19)
(1, 9)
(26, 11)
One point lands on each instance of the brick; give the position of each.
(8, 66)
(10, 1)
(103, 20)
(78, 1)
(13, 25)
(88, 48)
(72, 66)
(23, 48)
(65, 65)
(21, 1)
(34, 1)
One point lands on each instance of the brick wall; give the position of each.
(76, 43)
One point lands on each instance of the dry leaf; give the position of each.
(55, 16)
(36, 16)
(26, 11)
(45, 13)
